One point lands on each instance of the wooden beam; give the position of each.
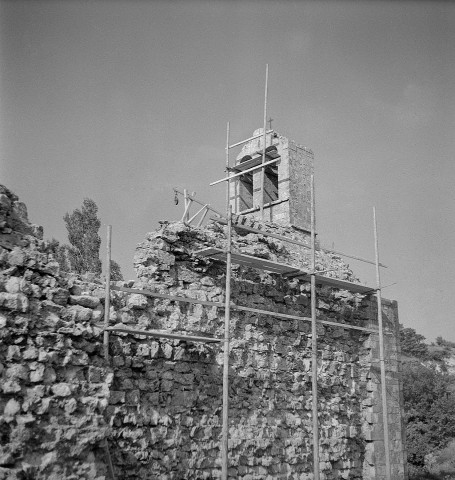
(174, 298)
(262, 232)
(314, 347)
(227, 320)
(233, 306)
(295, 242)
(255, 160)
(248, 139)
(160, 334)
(305, 319)
(385, 416)
(107, 298)
(257, 167)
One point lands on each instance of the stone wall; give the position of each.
(54, 386)
(158, 402)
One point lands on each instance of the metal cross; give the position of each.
(270, 120)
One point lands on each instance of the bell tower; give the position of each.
(287, 181)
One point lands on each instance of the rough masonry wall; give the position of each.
(158, 402)
(54, 385)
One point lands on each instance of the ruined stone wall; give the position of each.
(54, 385)
(158, 402)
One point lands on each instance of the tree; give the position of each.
(116, 273)
(83, 226)
(61, 254)
(429, 406)
(412, 343)
(83, 253)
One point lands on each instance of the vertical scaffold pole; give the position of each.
(107, 300)
(227, 317)
(264, 137)
(385, 420)
(314, 344)
(228, 185)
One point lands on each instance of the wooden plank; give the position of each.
(107, 297)
(385, 411)
(283, 269)
(342, 284)
(174, 298)
(261, 165)
(247, 260)
(314, 347)
(160, 334)
(255, 160)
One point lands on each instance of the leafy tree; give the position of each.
(83, 253)
(429, 406)
(413, 344)
(83, 226)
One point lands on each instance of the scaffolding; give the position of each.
(258, 162)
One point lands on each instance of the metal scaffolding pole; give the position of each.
(107, 300)
(264, 137)
(314, 345)
(381, 354)
(227, 317)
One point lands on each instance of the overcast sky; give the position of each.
(119, 101)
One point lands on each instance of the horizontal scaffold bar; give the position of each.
(306, 319)
(237, 307)
(160, 334)
(149, 293)
(284, 238)
(249, 139)
(223, 221)
(257, 167)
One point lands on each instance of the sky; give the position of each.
(120, 101)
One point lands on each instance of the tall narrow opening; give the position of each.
(246, 192)
(271, 184)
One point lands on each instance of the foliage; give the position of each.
(442, 462)
(83, 226)
(82, 255)
(444, 343)
(116, 273)
(61, 254)
(413, 344)
(429, 404)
